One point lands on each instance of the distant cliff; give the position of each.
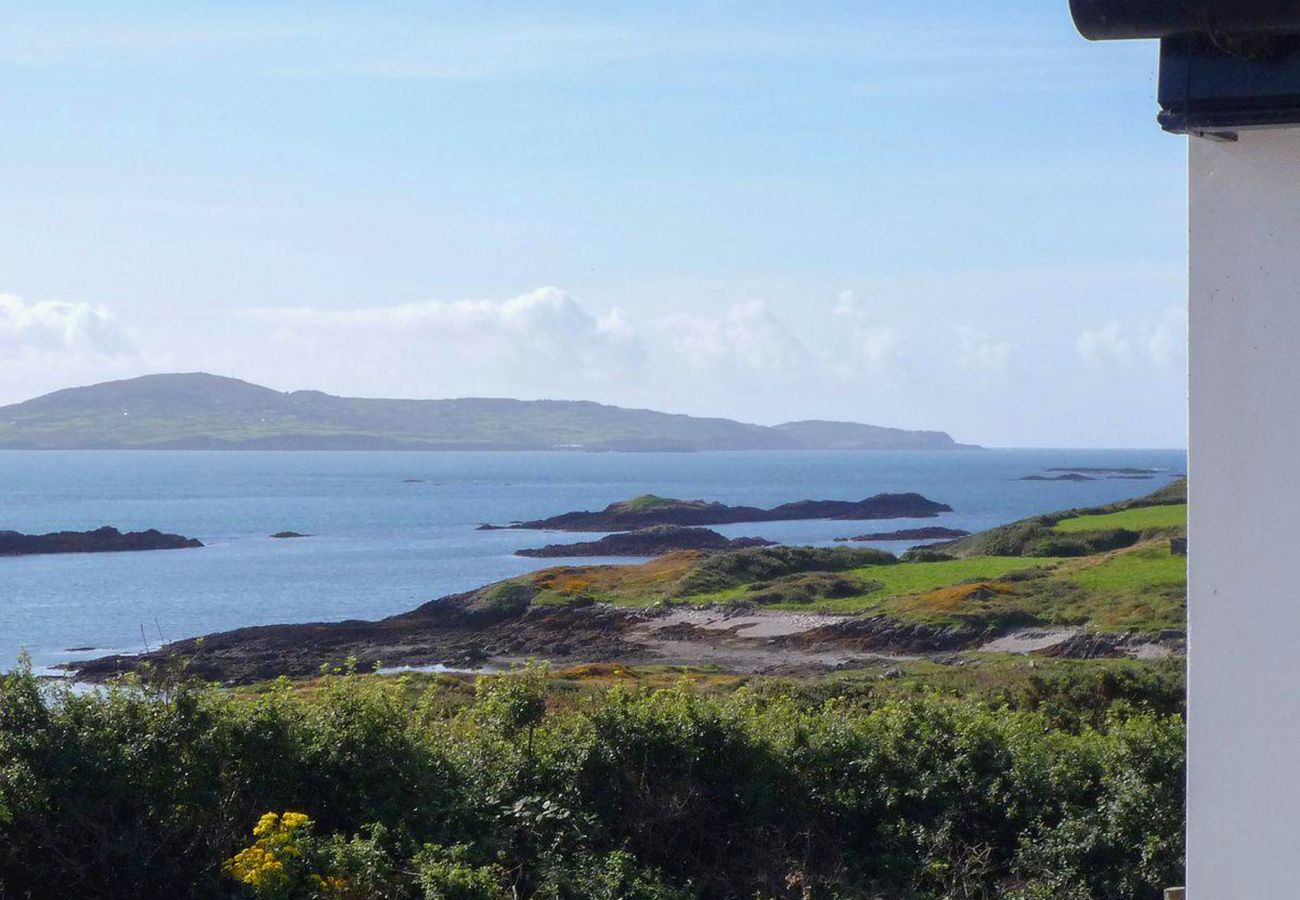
(821, 435)
(206, 412)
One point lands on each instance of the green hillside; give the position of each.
(200, 411)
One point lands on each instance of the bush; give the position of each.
(719, 571)
(144, 791)
(1084, 543)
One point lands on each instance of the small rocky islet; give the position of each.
(649, 510)
(1093, 473)
(646, 542)
(101, 540)
(933, 533)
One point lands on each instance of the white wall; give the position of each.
(1244, 531)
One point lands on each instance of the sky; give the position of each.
(945, 215)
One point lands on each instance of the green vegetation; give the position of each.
(197, 410)
(1059, 781)
(1137, 589)
(1142, 518)
(653, 501)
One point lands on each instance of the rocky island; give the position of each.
(653, 541)
(933, 533)
(649, 509)
(101, 540)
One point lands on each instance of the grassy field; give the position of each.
(1138, 519)
(883, 584)
(1140, 588)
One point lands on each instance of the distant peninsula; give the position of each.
(197, 411)
(101, 540)
(648, 510)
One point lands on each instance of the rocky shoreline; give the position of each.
(476, 630)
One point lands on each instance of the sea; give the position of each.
(392, 530)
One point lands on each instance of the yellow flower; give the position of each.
(262, 865)
(266, 825)
(292, 820)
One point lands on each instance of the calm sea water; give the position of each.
(382, 545)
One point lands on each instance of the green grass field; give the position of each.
(1142, 588)
(1138, 519)
(1149, 566)
(906, 579)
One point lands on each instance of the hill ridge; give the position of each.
(199, 410)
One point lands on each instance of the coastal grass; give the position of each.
(1143, 589)
(649, 501)
(1137, 589)
(1142, 518)
(884, 585)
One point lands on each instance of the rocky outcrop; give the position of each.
(493, 623)
(653, 541)
(101, 540)
(934, 533)
(648, 510)
(282, 535)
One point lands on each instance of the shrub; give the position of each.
(719, 571)
(144, 791)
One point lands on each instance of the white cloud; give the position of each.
(747, 338)
(544, 343)
(982, 354)
(53, 327)
(874, 344)
(1161, 343)
(1107, 344)
(51, 344)
(1167, 340)
(848, 305)
(545, 336)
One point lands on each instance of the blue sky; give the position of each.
(947, 215)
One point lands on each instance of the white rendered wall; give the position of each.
(1244, 531)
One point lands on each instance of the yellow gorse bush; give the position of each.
(264, 866)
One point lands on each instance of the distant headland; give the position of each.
(197, 411)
